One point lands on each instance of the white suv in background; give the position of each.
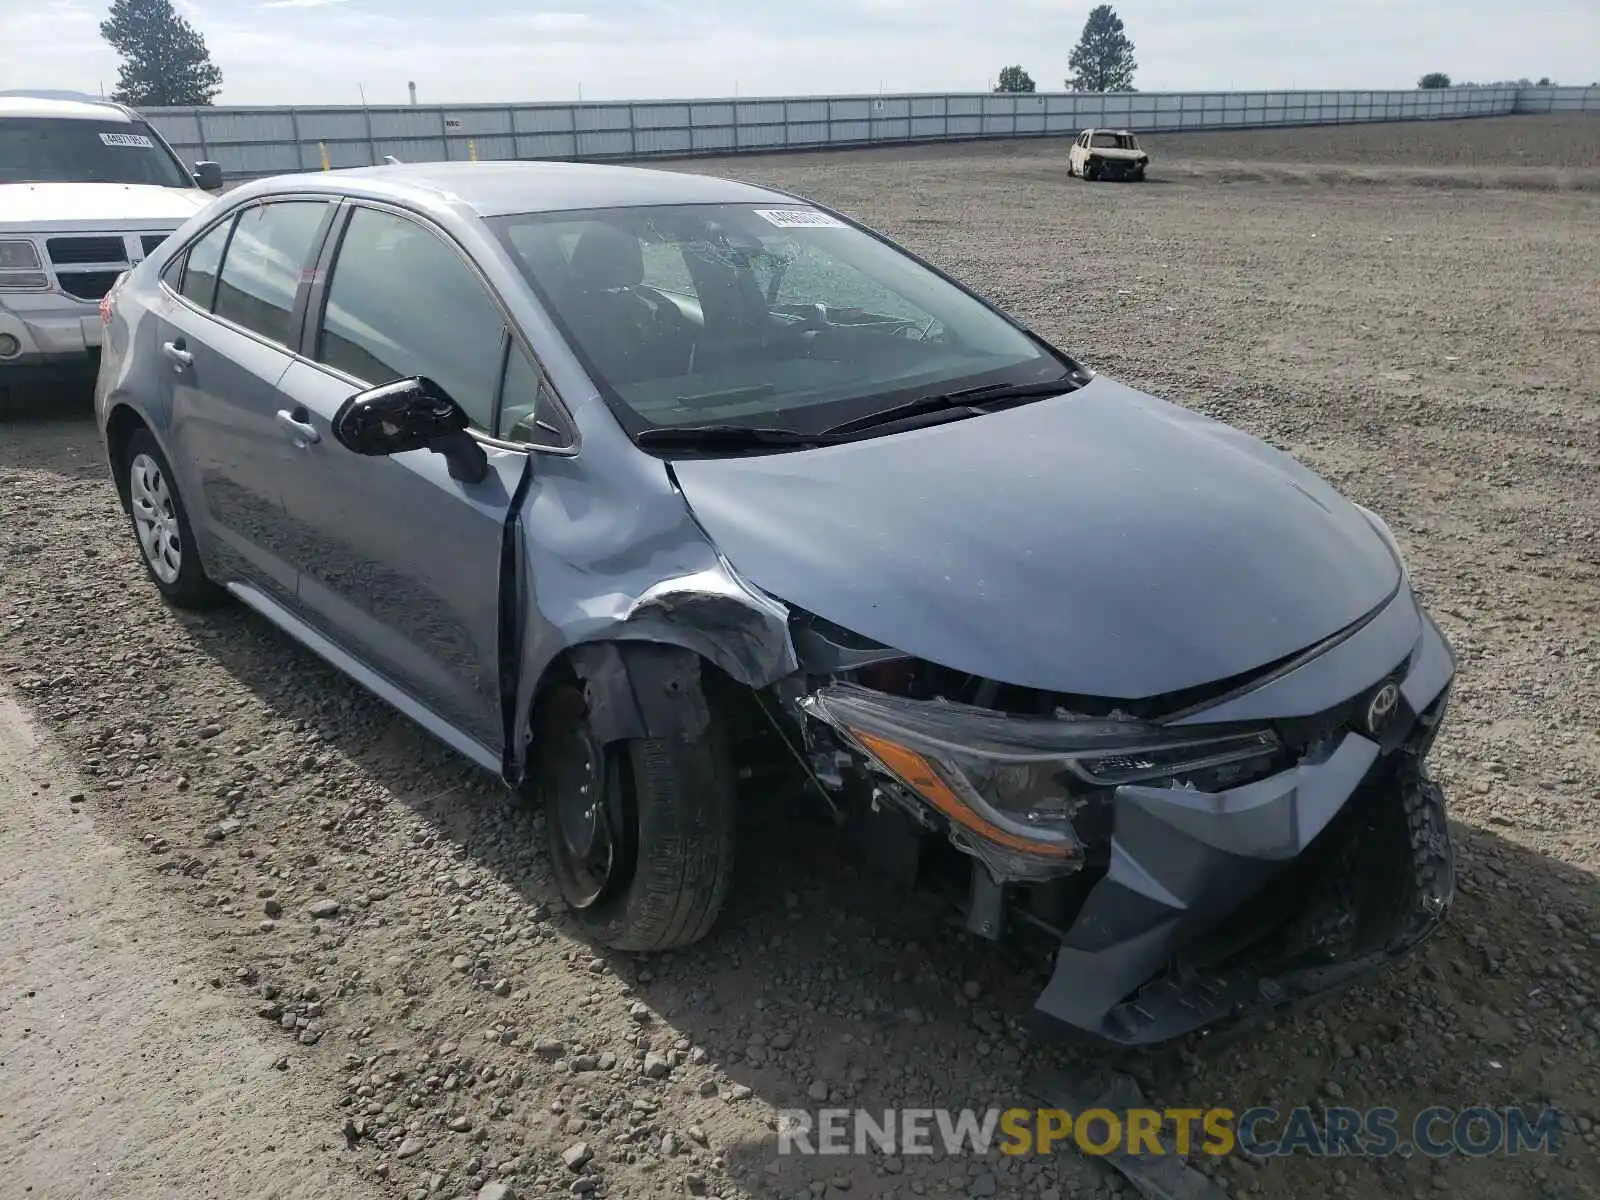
(87, 189)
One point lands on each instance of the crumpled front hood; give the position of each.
(1102, 543)
(100, 205)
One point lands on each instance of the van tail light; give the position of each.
(108, 302)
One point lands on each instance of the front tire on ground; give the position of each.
(640, 831)
(161, 526)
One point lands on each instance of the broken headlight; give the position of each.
(1018, 782)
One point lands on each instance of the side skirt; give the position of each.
(380, 687)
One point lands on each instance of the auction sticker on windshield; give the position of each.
(136, 141)
(799, 218)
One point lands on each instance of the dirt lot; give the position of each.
(1435, 351)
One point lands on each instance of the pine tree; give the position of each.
(1103, 58)
(164, 58)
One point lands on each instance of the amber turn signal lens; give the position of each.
(918, 774)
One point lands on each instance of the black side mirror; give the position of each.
(208, 175)
(410, 414)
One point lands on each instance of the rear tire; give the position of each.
(640, 831)
(161, 526)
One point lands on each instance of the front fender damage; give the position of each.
(645, 681)
(642, 671)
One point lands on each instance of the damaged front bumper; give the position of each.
(1213, 935)
(1188, 883)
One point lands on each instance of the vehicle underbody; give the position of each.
(1175, 909)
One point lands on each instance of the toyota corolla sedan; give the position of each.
(645, 489)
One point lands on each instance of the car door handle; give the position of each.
(176, 352)
(298, 423)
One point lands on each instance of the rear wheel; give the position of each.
(161, 526)
(640, 831)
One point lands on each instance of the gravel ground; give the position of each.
(1435, 352)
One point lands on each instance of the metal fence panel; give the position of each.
(605, 143)
(499, 146)
(714, 137)
(660, 116)
(250, 142)
(547, 145)
(544, 119)
(223, 127)
(603, 116)
(766, 112)
(478, 122)
(386, 123)
(177, 127)
(711, 114)
(405, 149)
(756, 137)
(662, 141)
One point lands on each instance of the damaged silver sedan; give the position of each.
(632, 485)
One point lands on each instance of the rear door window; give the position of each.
(272, 247)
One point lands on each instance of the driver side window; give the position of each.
(402, 302)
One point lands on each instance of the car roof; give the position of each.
(492, 189)
(22, 104)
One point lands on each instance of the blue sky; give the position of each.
(327, 51)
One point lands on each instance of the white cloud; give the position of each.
(474, 51)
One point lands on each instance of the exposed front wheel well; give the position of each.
(630, 761)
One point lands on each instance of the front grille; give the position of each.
(66, 251)
(1300, 734)
(151, 242)
(87, 285)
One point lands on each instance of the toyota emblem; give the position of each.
(1381, 707)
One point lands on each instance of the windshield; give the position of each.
(782, 316)
(1113, 141)
(66, 150)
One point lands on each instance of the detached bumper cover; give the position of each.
(1218, 907)
(1385, 889)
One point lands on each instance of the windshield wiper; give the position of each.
(730, 437)
(977, 399)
